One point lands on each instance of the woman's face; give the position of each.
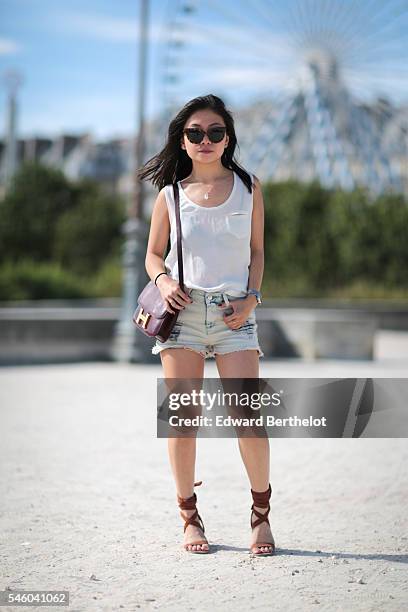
(204, 119)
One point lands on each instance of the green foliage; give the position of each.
(28, 280)
(391, 245)
(297, 243)
(60, 239)
(107, 282)
(319, 242)
(54, 234)
(88, 232)
(370, 238)
(30, 210)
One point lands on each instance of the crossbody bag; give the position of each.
(151, 316)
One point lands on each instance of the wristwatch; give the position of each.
(257, 294)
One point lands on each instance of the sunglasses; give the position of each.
(196, 135)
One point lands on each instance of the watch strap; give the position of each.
(256, 293)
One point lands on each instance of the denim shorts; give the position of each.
(201, 327)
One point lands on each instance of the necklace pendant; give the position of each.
(206, 196)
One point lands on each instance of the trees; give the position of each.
(47, 219)
(59, 238)
(318, 240)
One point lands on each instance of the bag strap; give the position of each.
(178, 228)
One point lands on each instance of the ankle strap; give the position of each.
(188, 503)
(261, 498)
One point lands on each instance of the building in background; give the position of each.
(111, 162)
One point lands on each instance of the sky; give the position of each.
(78, 60)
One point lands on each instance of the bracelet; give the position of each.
(160, 273)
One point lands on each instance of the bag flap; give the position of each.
(151, 301)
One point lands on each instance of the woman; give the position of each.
(222, 221)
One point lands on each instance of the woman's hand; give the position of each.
(172, 294)
(242, 310)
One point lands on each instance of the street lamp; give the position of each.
(12, 80)
(129, 344)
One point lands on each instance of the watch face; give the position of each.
(257, 295)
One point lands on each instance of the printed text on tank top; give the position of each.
(230, 190)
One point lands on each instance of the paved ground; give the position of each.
(88, 501)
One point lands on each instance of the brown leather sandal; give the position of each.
(261, 500)
(189, 503)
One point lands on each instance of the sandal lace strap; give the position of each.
(261, 500)
(189, 503)
(190, 520)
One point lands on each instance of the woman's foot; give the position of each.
(194, 538)
(261, 533)
(262, 539)
(192, 534)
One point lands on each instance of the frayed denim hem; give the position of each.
(157, 349)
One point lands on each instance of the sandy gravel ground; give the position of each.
(88, 502)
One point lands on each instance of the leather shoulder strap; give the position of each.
(178, 228)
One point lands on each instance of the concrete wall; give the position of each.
(77, 330)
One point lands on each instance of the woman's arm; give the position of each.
(154, 260)
(256, 267)
(158, 238)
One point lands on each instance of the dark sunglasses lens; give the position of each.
(216, 134)
(195, 136)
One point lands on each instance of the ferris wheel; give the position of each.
(319, 87)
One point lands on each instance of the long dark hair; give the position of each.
(173, 163)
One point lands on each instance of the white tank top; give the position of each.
(215, 241)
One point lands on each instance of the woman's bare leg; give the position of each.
(254, 451)
(184, 363)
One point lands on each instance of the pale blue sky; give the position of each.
(78, 59)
